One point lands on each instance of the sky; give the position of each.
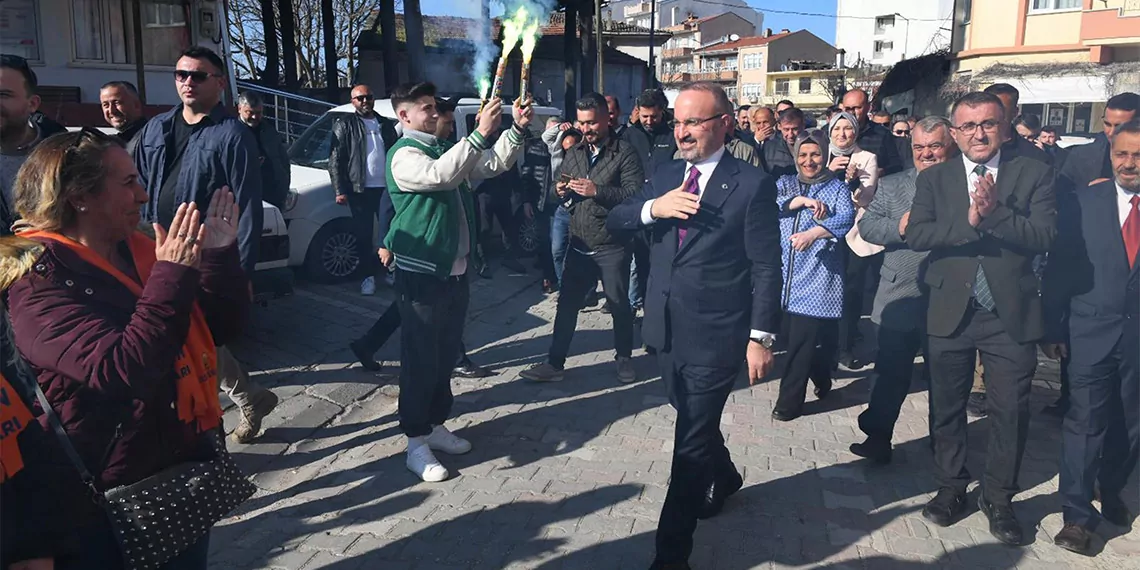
(823, 27)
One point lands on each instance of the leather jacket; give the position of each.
(349, 149)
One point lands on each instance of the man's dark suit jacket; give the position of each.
(703, 300)
(1022, 226)
(1088, 285)
(1087, 162)
(775, 157)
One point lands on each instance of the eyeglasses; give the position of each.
(902, 132)
(363, 98)
(693, 123)
(183, 75)
(971, 128)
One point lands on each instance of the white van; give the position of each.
(320, 230)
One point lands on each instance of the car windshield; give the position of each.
(313, 147)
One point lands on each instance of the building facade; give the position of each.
(1066, 57)
(885, 32)
(743, 65)
(680, 61)
(809, 89)
(675, 12)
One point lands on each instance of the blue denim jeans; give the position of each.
(559, 239)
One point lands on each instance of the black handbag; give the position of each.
(162, 515)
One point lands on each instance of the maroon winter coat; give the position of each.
(105, 357)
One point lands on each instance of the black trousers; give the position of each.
(611, 264)
(855, 288)
(1009, 369)
(433, 312)
(811, 351)
(698, 393)
(365, 207)
(1100, 436)
(386, 326)
(545, 254)
(894, 369)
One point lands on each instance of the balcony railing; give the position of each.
(722, 75)
(674, 53)
(673, 78)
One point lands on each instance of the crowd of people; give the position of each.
(734, 232)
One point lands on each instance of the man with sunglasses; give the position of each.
(983, 218)
(185, 155)
(360, 143)
(18, 133)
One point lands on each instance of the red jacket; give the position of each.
(105, 357)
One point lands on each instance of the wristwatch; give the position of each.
(765, 341)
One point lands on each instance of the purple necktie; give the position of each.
(692, 187)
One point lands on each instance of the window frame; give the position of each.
(1054, 6)
(800, 86)
(787, 83)
(106, 31)
(37, 33)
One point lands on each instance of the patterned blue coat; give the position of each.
(813, 279)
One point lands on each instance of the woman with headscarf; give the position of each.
(120, 329)
(860, 170)
(815, 212)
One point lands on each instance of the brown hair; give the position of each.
(59, 169)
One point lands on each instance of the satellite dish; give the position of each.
(733, 37)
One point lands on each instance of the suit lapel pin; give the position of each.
(724, 186)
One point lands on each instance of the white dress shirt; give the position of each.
(706, 168)
(1123, 204)
(972, 179)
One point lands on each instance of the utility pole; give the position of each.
(570, 60)
(414, 39)
(140, 69)
(599, 30)
(652, 26)
(388, 44)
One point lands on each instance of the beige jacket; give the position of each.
(867, 172)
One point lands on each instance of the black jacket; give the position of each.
(347, 156)
(875, 138)
(654, 148)
(775, 156)
(1021, 227)
(130, 135)
(1087, 162)
(617, 174)
(536, 176)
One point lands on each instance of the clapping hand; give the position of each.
(677, 204)
(183, 243)
(984, 202)
(221, 220)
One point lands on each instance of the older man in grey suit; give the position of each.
(900, 307)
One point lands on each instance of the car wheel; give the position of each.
(528, 240)
(333, 254)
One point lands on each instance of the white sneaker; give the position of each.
(368, 286)
(441, 439)
(423, 463)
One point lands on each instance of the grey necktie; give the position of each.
(981, 287)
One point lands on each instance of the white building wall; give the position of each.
(674, 12)
(57, 66)
(921, 35)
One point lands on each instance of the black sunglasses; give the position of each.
(363, 98)
(184, 75)
(902, 132)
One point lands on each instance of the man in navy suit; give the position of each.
(1092, 285)
(712, 300)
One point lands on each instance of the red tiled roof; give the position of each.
(745, 42)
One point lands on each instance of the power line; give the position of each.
(810, 14)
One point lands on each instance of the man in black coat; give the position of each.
(713, 301)
(1089, 164)
(1092, 294)
(1010, 97)
(983, 219)
(122, 109)
(603, 171)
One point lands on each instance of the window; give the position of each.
(752, 91)
(782, 86)
(1051, 5)
(753, 61)
(884, 24)
(834, 84)
(883, 46)
(805, 85)
(163, 15)
(19, 29)
(731, 92)
(103, 31)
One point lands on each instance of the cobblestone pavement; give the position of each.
(572, 475)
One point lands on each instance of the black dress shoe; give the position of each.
(717, 493)
(1074, 538)
(873, 449)
(946, 507)
(365, 359)
(658, 565)
(1114, 511)
(1003, 523)
(850, 361)
(976, 405)
(782, 416)
(821, 392)
(470, 370)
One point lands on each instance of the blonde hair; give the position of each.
(57, 171)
